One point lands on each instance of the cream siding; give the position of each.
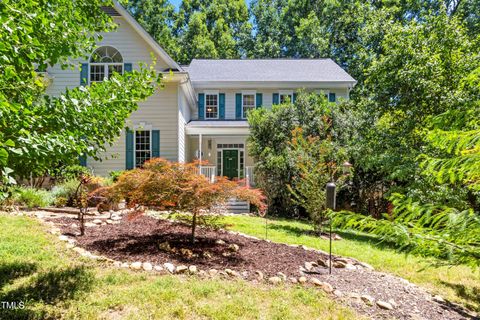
(125, 39)
(183, 118)
(159, 111)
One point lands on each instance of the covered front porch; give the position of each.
(223, 146)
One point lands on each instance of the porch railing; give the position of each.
(208, 171)
(250, 176)
(211, 172)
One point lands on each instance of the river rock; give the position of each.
(259, 275)
(136, 265)
(274, 280)
(181, 269)
(368, 299)
(384, 305)
(169, 266)
(147, 266)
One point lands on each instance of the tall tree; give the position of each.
(158, 18)
(223, 23)
(36, 131)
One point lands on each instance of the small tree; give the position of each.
(179, 187)
(317, 161)
(81, 201)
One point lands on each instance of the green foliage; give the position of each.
(114, 175)
(454, 138)
(200, 29)
(429, 230)
(64, 193)
(277, 165)
(72, 172)
(31, 197)
(39, 133)
(317, 161)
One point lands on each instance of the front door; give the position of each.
(230, 163)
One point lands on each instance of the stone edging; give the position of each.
(170, 268)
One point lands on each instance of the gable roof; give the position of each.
(268, 70)
(145, 36)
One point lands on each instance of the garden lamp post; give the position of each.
(331, 203)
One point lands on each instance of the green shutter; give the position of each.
(84, 74)
(238, 106)
(127, 67)
(201, 106)
(221, 103)
(155, 143)
(129, 156)
(82, 160)
(276, 98)
(294, 97)
(259, 100)
(332, 97)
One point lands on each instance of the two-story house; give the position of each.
(201, 111)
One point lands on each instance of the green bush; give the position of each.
(115, 174)
(32, 198)
(72, 172)
(64, 193)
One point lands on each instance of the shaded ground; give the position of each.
(139, 239)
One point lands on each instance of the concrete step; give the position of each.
(237, 206)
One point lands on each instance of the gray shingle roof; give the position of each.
(275, 70)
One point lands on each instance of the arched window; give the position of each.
(104, 62)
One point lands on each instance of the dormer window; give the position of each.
(104, 62)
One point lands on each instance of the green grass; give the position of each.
(55, 283)
(458, 283)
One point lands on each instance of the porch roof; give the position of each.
(217, 127)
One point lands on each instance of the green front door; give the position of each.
(230, 163)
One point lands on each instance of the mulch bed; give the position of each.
(139, 239)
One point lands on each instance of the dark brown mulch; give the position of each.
(138, 239)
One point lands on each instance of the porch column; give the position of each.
(246, 175)
(200, 152)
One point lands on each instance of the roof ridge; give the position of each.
(260, 59)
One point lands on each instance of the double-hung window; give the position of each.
(143, 147)
(104, 62)
(248, 103)
(211, 106)
(286, 96)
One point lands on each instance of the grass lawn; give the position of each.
(54, 283)
(459, 283)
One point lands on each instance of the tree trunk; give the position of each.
(194, 226)
(81, 221)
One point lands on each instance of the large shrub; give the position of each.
(269, 143)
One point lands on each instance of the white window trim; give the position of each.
(213, 93)
(284, 93)
(140, 127)
(105, 66)
(254, 93)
